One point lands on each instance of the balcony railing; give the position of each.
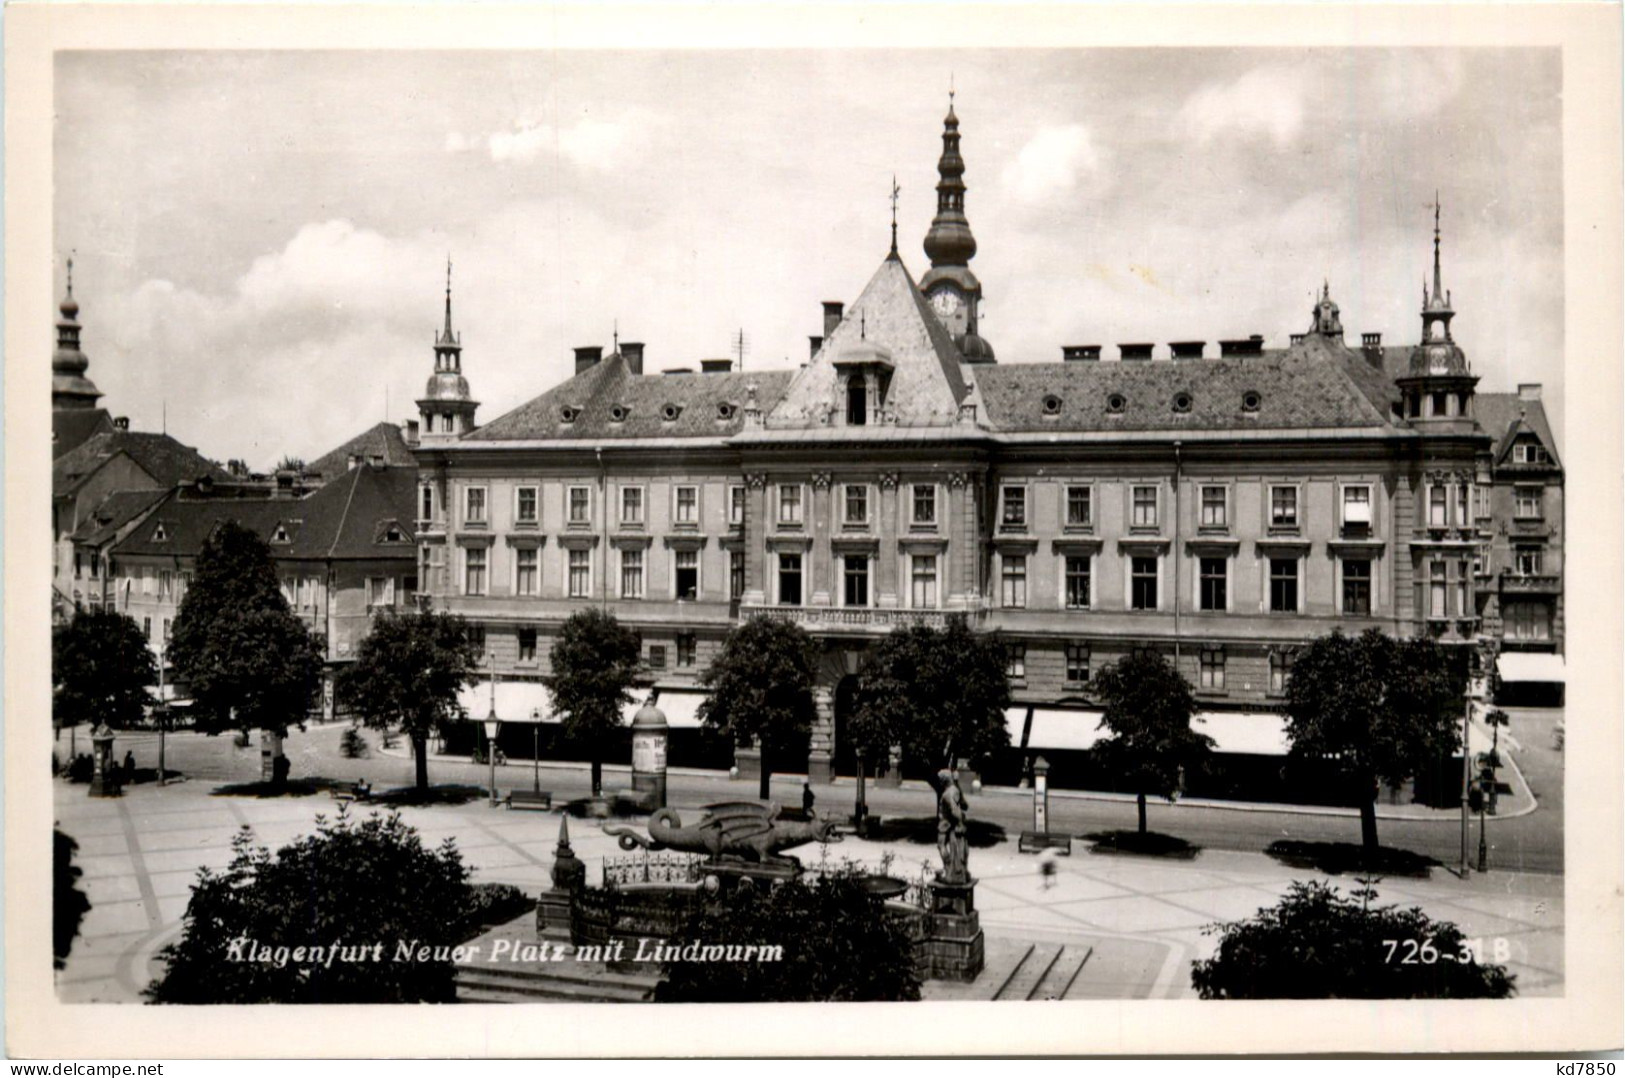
(860, 618)
(1531, 583)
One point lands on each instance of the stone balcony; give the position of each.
(1531, 583)
(860, 619)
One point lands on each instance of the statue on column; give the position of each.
(952, 828)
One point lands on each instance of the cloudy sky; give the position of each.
(261, 238)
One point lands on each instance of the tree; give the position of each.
(595, 664)
(350, 895)
(407, 674)
(1148, 709)
(1317, 943)
(102, 666)
(761, 688)
(837, 944)
(938, 693)
(68, 904)
(246, 659)
(1383, 708)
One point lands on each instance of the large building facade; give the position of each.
(1221, 506)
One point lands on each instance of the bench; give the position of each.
(1038, 841)
(354, 791)
(530, 799)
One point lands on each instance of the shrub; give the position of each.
(370, 887)
(69, 904)
(493, 904)
(352, 744)
(1317, 943)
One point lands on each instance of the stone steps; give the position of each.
(1045, 971)
(565, 981)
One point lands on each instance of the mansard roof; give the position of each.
(927, 385)
(608, 402)
(1506, 415)
(383, 440)
(114, 512)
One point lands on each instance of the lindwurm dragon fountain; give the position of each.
(742, 830)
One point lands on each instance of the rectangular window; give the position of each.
(855, 580)
(146, 628)
(1438, 590)
(1213, 583)
(1438, 506)
(524, 570)
(1280, 670)
(1078, 582)
(1213, 507)
(1284, 585)
(476, 638)
(736, 574)
(1077, 663)
(790, 503)
(1357, 507)
(427, 506)
(166, 583)
(1463, 520)
(381, 590)
(688, 574)
(166, 630)
(925, 503)
(857, 503)
(579, 583)
(307, 592)
(857, 403)
(923, 581)
(580, 505)
(1528, 621)
(1013, 575)
(1145, 508)
(1528, 503)
(687, 513)
(1210, 672)
(474, 505)
(1283, 507)
(632, 505)
(524, 510)
(1464, 593)
(631, 574)
(1357, 587)
(736, 507)
(527, 645)
(790, 579)
(657, 656)
(474, 563)
(1015, 656)
(1079, 507)
(1143, 583)
(1526, 560)
(1013, 515)
(685, 649)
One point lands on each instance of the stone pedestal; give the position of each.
(748, 762)
(820, 767)
(953, 948)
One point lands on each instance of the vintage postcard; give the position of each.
(1035, 523)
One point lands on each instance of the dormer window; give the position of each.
(725, 411)
(1182, 402)
(159, 535)
(1250, 401)
(1052, 404)
(619, 413)
(1115, 403)
(670, 412)
(281, 535)
(393, 534)
(857, 402)
(569, 413)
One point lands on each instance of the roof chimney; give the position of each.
(1187, 349)
(1296, 338)
(678, 370)
(586, 358)
(1074, 353)
(351, 461)
(284, 483)
(832, 315)
(632, 352)
(716, 366)
(813, 345)
(1243, 346)
(121, 423)
(1134, 351)
(410, 433)
(1529, 391)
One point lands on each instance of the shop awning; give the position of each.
(1054, 728)
(1251, 733)
(679, 707)
(516, 701)
(1530, 666)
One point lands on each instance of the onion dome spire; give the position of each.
(70, 388)
(1438, 354)
(949, 242)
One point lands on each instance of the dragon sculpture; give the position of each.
(749, 830)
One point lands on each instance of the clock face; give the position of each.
(947, 302)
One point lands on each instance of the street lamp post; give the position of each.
(162, 711)
(492, 726)
(860, 808)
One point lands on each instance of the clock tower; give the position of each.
(952, 289)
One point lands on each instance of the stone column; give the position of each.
(817, 586)
(821, 747)
(886, 556)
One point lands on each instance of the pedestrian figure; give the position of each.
(807, 798)
(129, 766)
(1047, 867)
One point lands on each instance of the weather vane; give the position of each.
(895, 191)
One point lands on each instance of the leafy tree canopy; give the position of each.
(838, 945)
(761, 683)
(101, 666)
(369, 885)
(407, 675)
(1148, 708)
(595, 666)
(939, 693)
(1317, 943)
(236, 644)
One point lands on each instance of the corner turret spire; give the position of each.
(447, 407)
(70, 388)
(954, 291)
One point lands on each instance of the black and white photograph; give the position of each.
(797, 523)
